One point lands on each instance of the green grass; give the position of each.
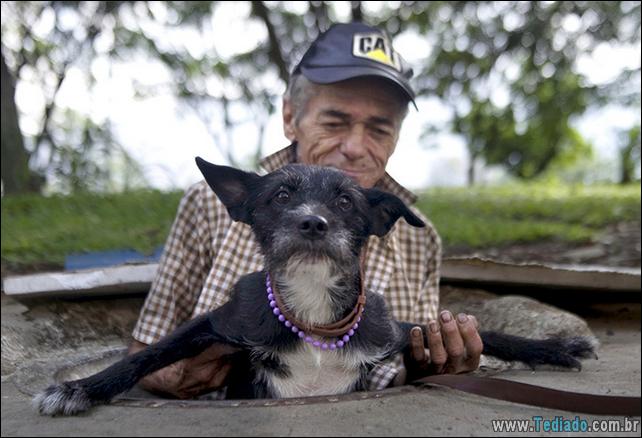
(495, 216)
(40, 231)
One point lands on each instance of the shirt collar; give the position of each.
(287, 155)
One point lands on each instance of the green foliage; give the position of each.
(524, 51)
(39, 229)
(527, 212)
(527, 53)
(42, 230)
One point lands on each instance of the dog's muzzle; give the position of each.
(313, 227)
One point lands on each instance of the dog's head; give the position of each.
(306, 211)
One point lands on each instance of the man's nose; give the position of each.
(313, 227)
(354, 145)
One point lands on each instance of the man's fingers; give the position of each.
(453, 341)
(438, 355)
(210, 354)
(472, 341)
(417, 349)
(204, 378)
(218, 379)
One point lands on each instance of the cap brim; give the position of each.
(330, 75)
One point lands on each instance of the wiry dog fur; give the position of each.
(311, 223)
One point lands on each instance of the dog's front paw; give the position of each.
(63, 399)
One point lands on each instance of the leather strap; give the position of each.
(524, 393)
(335, 329)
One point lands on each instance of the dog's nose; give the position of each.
(313, 227)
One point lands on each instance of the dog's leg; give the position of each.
(564, 352)
(70, 398)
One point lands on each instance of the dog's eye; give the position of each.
(344, 202)
(283, 197)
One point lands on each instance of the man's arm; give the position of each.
(189, 378)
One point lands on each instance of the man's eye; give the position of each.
(332, 125)
(283, 197)
(344, 202)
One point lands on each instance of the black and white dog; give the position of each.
(300, 322)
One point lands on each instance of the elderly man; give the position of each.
(344, 108)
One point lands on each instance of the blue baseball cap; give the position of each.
(350, 50)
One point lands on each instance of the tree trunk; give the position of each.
(471, 170)
(16, 176)
(276, 54)
(357, 12)
(626, 169)
(627, 155)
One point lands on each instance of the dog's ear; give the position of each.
(232, 187)
(386, 210)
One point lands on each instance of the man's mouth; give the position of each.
(352, 171)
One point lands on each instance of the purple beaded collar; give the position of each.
(341, 330)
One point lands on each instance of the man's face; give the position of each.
(351, 125)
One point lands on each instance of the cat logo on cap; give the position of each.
(376, 47)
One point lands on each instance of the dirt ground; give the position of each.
(618, 245)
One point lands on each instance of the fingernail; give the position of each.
(462, 318)
(416, 332)
(446, 316)
(434, 327)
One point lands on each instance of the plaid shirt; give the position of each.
(206, 253)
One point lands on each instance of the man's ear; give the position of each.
(288, 120)
(232, 186)
(386, 209)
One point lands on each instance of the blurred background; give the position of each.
(526, 144)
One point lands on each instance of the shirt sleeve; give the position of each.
(382, 375)
(182, 270)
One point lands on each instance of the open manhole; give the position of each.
(39, 374)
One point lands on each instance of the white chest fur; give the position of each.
(306, 289)
(317, 372)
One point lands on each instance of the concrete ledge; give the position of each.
(480, 271)
(118, 280)
(127, 279)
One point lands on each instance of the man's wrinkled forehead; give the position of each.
(314, 178)
(373, 97)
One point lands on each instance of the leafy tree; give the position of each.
(207, 84)
(525, 51)
(481, 51)
(629, 154)
(66, 144)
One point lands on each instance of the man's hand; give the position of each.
(454, 346)
(191, 377)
